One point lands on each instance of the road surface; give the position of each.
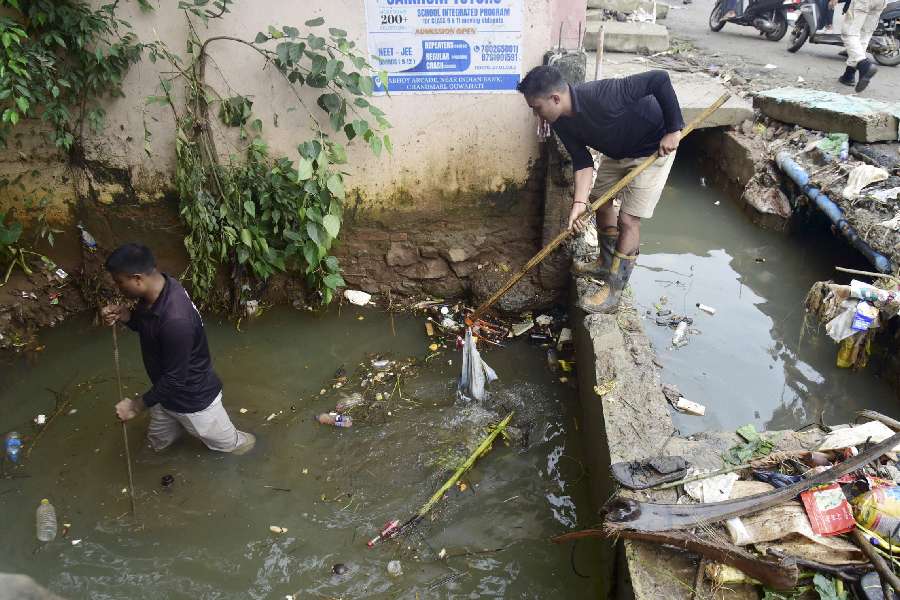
(745, 50)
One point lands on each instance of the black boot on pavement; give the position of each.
(866, 72)
(849, 77)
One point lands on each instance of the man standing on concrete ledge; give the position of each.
(860, 23)
(186, 392)
(627, 120)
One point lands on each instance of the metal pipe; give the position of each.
(834, 213)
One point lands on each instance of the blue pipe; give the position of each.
(834, 213)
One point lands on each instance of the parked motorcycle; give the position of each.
(767, 16)
(884, 45)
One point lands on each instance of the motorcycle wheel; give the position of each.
(799, 35)
(716, 22)
(891, 58)
(780, 19)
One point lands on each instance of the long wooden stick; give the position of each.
(598, 62)
(124, 426)
(884, 571)
(609, 195)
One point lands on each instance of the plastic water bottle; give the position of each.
(46, 521)
(680, 337)
(335, 420)
(13, 446)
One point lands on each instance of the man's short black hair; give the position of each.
(542, 81)
(131, 259)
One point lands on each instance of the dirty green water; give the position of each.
(208, 536)
(747, 363)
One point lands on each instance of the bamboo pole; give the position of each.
(480, 450)
(609, 195)
(599, 59)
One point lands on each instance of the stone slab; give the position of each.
(863, 119)
(597, 8)
(696, 91)
(630, 36)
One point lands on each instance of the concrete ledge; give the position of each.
(863, 119)
(623, 6)
(628, 36)
(696, 91)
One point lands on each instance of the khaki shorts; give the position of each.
(638, 198)
(212, 425)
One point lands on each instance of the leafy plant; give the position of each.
(57, 58)
(258, 213)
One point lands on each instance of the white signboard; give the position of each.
(446, 45)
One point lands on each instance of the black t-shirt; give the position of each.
(175, 351)
(622, 118)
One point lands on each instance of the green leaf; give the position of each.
(338, 154)
(361, 102)
(827, 588)
(315, 22)
(330, 102)
(291, 32)
(261, 38)
(333, 281)
(310, 254)
(388, 145)
(332, 225)
(275, 34)
(349, 132)
(383, 77)
(333, 67)
(304, 169)
(366, 85)
(336, 186)
(314, 230)
(246, 237)
(331, 263)
(375, 144)
(319, 64)
(337, 32)
(22, 103)
(250, 208)
(316, 42)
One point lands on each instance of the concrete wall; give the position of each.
(448, 148)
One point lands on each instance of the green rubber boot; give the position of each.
(599, 267)
(607, 299)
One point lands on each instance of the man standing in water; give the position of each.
(627, 120)
(186, 392)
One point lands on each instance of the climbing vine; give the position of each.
(254, 212)
(58, 58)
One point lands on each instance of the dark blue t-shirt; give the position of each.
(621, 118)
(175, 351)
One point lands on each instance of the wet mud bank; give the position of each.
(457, 246)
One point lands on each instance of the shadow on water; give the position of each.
(207, 535)
(751, 362)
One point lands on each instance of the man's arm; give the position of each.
(656, 84)
(583, 170)
(583, 180)
(175, 344)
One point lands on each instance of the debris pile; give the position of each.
(821, 512)
(852, 314)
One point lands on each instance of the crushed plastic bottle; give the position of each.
(87, 239)
(348, 402)
(335, 420)
(13, 446)
(680, 337)
(395, 568)
(46, 521)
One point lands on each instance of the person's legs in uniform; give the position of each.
(163, 430)
(213, 426)
(866, 67)
(859, 24)
(639, 199)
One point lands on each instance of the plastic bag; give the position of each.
(841, 327)
(475, 372)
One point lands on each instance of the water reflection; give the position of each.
(747, 363)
